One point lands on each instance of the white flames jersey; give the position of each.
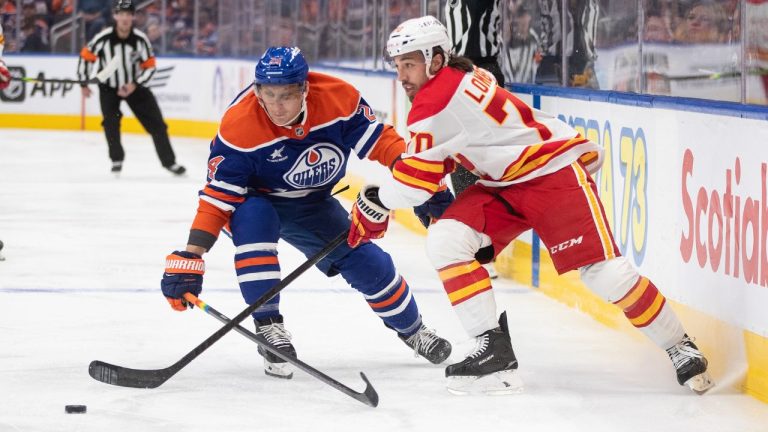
(466, 118)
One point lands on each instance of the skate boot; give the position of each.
(427, 344)
(117, 167)
(176, 169)
(490, 368)
(274, 332)
(691, 366)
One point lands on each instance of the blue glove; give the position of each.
(183, 274)
(434, 207)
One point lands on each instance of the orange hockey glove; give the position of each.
(183, 274)
(369, 217)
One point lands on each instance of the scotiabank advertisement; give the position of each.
(685, 194)
(723, 219)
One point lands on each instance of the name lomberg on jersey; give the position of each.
(316, 166)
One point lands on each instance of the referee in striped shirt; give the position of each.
(474, 27)
(127, 83)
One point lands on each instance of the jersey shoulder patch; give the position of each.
(330, 98)
(245, 126)
(435, 95)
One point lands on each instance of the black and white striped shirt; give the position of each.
(581, 23)
(137, 63)
(474, 27)
(518, 59)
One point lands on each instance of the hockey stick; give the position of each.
(368, 396)
(100, 77)
(152, 378)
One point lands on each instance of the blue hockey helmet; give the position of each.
(281, 65)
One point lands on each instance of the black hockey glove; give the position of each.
(434, 207)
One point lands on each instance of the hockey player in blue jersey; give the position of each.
(282, 145)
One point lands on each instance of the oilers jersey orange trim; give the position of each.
(246, 126)
(388, 148)
(210, 218)
(222, 196)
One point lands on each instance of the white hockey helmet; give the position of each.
(419, 34)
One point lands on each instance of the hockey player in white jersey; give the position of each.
(535, 172)
(5, 76)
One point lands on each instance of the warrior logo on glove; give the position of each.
(369, 217)
(183, 274)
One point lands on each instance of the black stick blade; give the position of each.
(369, 395)
(127, 377)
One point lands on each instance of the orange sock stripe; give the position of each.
(643, 303)
(452, 271)
(464, 280)
(470, 295)
(248, 262)
(634, 294)
(395, 297)
(651, 313)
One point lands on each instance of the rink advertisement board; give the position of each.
(685, 193)
(185, 88)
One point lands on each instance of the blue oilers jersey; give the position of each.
(251, 154)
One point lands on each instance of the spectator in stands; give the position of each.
(35, 34)
(656, 29)
(155, 34)
(757, 50)
(704, 22)
(95, 15)
(207, 43)
(520, 55)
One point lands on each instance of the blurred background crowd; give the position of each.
(711, 49)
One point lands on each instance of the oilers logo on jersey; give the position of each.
(316, 166)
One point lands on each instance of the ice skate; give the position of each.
(490, 368)
(273, 330)
(176, 169)
(117, 168)
(427, 344)
(691, 366)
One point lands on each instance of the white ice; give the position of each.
(85, 254)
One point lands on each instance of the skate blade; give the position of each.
(701, 383)
(278, 370)
(496, 384)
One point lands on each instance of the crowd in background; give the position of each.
(351, 32)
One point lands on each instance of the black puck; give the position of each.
(75, 409)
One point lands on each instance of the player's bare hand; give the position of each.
(86, 91)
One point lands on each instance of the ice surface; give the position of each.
(85, 254)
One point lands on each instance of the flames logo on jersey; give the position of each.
(316, 166)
